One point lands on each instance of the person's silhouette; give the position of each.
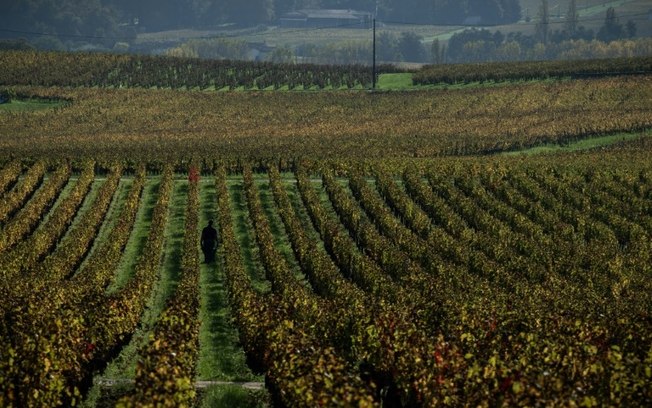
(209, 242)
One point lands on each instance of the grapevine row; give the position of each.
(106, 70)
(29, 216)
(27, 253)
(453, 236)
(271, 338)
(507, 71)
(9, 174)
(120, 312)
(343, 249)
(412, 215)
(97, 270)
(13, 201)
(562, 300)
(536, 290)
(517, 253)
(49, 336)
(384, 338)
(401, 236)
(621, 191)
(307, 309)
(78, 241)
(164, 375)
(287, 125)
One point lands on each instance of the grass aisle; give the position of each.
(86, 205)
(581, 144)
(221, 358)
(111, 218)
(123, 367)
(65, 192)
(137, 239)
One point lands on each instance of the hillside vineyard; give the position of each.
(161, 124)
(485, 281)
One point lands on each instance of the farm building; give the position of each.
(318, 18)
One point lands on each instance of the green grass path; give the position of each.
(65, 192)
(86, 204)
(395, 81)
(30, 105)
(221, 358)
(138, 237)
(583, 144)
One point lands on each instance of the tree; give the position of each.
(631, 29)
(436, 52)
(489, 10)
(284, 6)
(509, 51)
(476, 51)
(414, 11)
(411, 47)
(543, 26)
(511, 11)
(366, 5)
(80, 20)
(282, 55)
(164, 14)
(450, 11)
(387, 47)
(572, 19)
(612, 29)
(457, 43)
(249, 12)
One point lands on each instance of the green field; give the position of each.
(29, 106)
(586, 144)
(395, 81)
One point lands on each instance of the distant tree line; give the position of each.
(95, 20)
(571, 41)
(50, 23)
(486, 12)
(404, 47)
(73, 24)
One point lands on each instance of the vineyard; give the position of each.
(138, 71)
(450, 282)
(375, 248)
(118, 71)
(133, 124)
(529, 70)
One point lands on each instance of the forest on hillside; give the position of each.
(111, 18)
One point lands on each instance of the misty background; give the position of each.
(334, 31)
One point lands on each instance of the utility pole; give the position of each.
(373, 69)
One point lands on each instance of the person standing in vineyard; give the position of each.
(209, 242)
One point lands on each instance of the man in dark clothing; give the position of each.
(209, 242)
